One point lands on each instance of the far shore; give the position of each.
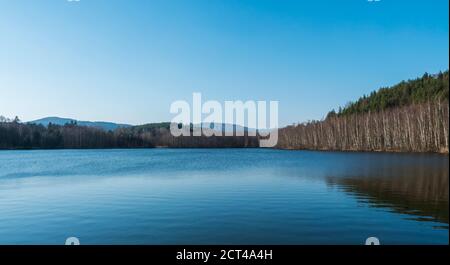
(443, 152)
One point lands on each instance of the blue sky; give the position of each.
(128, 60)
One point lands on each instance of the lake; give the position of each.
(222, 196)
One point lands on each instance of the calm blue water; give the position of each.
(222, 196)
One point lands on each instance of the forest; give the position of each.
(412, 116)
(428, 88)
(17, 135)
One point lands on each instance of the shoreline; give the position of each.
(444, 153)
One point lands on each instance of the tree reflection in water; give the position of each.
(419, 189)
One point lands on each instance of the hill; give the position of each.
(107, 126)
(412, 116)
(424, 89)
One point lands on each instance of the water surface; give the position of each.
(222, 196)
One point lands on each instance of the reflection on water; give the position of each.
(222, 196)
(419, 188)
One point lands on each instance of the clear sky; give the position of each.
(128, 60)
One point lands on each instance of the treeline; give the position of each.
(388, 120)
(17, 135)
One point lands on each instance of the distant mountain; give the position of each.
(110, 126)
(107, 126)
(217, 126)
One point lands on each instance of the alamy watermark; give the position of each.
(254, 118)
